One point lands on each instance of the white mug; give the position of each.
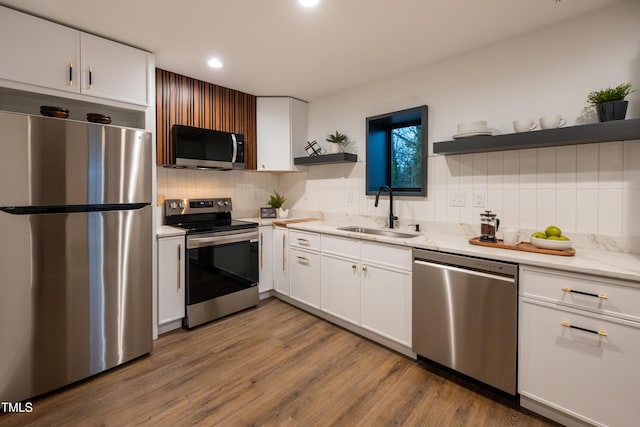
(512, 236)
(524, 125)
(552, 122)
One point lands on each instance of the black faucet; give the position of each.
(388, 189)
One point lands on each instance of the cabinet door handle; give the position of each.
(354, 266)
(301, 258)
(591, 331)
(304, 242)
(284, 256)
(364, 268)
(601, 296)
(70, 74)
(90, 78)
(261, 250)
(179, 263)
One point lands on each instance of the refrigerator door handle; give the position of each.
(35, 210)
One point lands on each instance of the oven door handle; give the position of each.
(198, 242)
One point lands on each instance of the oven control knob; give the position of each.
(226, 203)
(220, 203)
(181, 205)
(173, 205)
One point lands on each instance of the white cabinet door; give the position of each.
(282, 132)
(113, 71)
(280, 260)
(171, 302)
(38, 52)
(265, 259)
(304, 279)
(386, 302)
(580, 372)
(340, 285)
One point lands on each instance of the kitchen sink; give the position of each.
(377, 232)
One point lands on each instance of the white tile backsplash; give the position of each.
(592, 188)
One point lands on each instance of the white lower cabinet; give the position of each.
(368, 284)
(573, 359)
(386, 302)
(265, 258)
(171, 297)
(304, 276)
(281, 260)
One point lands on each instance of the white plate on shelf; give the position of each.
(476, 133)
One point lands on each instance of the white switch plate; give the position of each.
(349, 196)
(457, 198)
(479, 198)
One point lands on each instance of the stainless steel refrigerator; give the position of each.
(75, 251)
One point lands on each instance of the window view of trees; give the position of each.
(397, 152)
(406, 155)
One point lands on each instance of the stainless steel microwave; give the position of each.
(199, 148)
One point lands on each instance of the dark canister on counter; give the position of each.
(489, 224)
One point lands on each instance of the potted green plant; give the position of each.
(338, 141)
(276, 201)
(610, 103)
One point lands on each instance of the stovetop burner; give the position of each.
(203, 215)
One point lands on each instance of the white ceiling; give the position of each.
(277, 47)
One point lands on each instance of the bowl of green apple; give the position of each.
(551, 238)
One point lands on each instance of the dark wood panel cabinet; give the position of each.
(186, 101)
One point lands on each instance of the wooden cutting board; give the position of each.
(284, 222)
(523, 246)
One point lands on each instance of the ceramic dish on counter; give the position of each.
(551, 244)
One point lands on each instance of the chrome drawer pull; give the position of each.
(591, 331)
(301, 258)
(601, 296)
(305, 241)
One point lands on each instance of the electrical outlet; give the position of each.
(349, 196)
(479, 198)
(457, 198)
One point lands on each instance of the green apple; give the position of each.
(539, 235)
(563, 237)
(552, 230)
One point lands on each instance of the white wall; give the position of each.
(588, 189)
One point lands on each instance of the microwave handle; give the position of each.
(235, 148)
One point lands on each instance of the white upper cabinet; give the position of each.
(113, 71)
(38, 52)
(282, 132)
(44, 54)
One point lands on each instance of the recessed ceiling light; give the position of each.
(308, 3)
(214, 63)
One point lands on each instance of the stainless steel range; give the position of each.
(222, 258)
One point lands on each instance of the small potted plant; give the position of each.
(610, 103)
(338, 141)
(276, 201)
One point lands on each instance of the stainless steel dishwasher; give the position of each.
(465, 315)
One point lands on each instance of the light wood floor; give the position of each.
(273, 365)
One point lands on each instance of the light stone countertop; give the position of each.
(454, 238)
(168, 231)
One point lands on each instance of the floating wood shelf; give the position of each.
(619, 130)
(326, 159)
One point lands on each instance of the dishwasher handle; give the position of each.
(509, 279)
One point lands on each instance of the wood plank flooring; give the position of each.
(270, 366)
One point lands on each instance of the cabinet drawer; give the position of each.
(341, 246)
(305, 240)
(389, 255)
(606, 296)
(590, 376)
